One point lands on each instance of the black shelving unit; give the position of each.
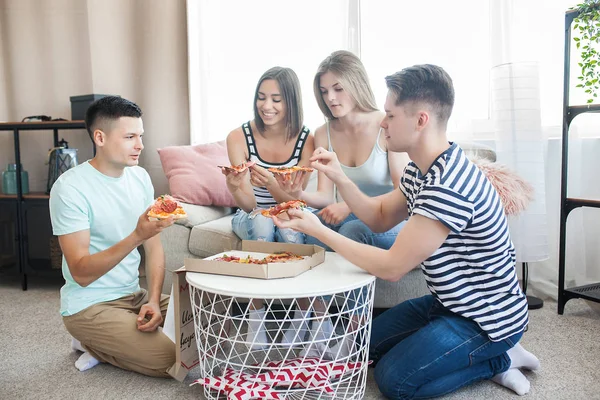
(568, 204)
(25, 202)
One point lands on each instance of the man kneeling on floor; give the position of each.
(468, 329)
(98, 211)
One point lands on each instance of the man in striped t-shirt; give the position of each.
(468, 329)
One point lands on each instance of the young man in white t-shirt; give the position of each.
(98, 211)
(468, 329)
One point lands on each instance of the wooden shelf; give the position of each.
(573, 202)
(41, 125)
(28, 196)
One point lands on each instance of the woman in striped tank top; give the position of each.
(276, 137)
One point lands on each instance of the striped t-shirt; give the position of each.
(262, 195)
(473, 273)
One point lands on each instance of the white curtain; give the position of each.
(51, 50)
(467, 37)
(231, 43)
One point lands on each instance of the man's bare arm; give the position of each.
(155, 267)
(416, 242)
(379, 213)
(85, 268)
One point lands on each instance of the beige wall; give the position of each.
(55, 49)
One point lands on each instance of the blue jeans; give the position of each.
(262, 228)
(423, 350)
(355, 229)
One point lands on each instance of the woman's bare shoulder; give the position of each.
(321, 136)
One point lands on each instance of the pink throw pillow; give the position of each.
(193, 174)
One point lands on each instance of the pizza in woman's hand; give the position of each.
(166, 206)
(283, 207)
(238, 168)
(288, 171)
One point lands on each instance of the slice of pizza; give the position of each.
(288, 171)
(283, 256)
(240, 260)
(238, 168)
(166, 206)
(283, 207)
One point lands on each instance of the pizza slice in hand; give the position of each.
(283, 207)
(166, 206)
(288, 171)
(238, 168)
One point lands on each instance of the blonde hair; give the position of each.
(352, 75)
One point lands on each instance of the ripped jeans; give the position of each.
(262, 228)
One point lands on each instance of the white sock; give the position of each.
(76, 345)
(521, 358)
(514, 380)
(86, 361)
(256, 336)
(297, 329)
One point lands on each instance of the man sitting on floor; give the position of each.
(468, 329)
(98, 211)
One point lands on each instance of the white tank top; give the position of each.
(373, 176)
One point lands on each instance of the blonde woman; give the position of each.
(352, 130)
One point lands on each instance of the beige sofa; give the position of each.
(207, 231)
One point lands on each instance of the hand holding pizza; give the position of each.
(293, 186)
(335, 213)
(301, 221)
(328, 163)
(146, 228)
(260, 177)
(234, 178)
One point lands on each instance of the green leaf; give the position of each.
(576, 39)
(590, 101)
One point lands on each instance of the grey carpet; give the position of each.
(37, 363)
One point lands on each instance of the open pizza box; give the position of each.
(313, 255)
(179, 321)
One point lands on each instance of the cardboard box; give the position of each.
(179, 322)
(314, 255)
(179, 325)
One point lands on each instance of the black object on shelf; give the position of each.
(567, 204)
(26, 201)
(80, 104)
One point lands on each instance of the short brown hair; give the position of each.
(351, 72)
(289, 86)
(424, 83)
(107, 110)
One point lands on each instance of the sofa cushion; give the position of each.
(213, 237)
(201, 214)
(193, 174)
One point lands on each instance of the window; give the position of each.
(232, 43)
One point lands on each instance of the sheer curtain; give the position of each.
(452, 34)
(232, 42)
(229, 51)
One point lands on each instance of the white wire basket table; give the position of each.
(319, 365)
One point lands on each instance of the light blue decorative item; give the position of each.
(9, 180)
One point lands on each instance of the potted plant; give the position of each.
(586, 34)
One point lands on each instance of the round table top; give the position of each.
(334, 275)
